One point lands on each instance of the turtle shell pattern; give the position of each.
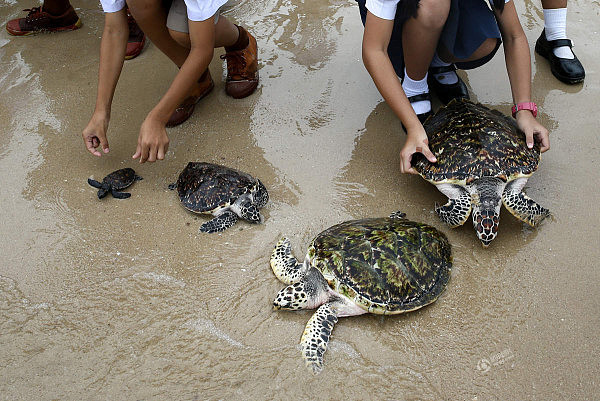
(206, 187)
(385, 265)
(471, 141)
(121, 179)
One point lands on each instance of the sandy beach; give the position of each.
(124, 299)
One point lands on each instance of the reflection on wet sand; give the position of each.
(124, 299)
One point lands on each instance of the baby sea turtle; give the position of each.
(225, 193)
(482, 162)
(383, 266)
(115, 181)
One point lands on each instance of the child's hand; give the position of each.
(533, 129)
(153, 141)
(415, 142)
(94, 134)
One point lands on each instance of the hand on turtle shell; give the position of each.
(533, 129)
(94, 134)
(415, 143)
(153, 141)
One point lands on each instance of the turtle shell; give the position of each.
(121, 179)
(205, 187)
(471, 141)
(385, 265)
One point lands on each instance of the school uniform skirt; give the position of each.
(469, 24)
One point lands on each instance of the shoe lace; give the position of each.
(33, 12)
(236, 63)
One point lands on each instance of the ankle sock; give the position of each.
(241, 43)
(412, 88)
(445, 78)
(555, 25)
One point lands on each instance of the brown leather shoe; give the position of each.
(242, 70)
(39, 20)
(185, 109)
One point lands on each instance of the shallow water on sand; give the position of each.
(123, 299)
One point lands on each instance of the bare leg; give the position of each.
(420, 36)
(152, 18)
(548, 4)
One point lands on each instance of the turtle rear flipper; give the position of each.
(521, 206)
(219, 223)
(284, 264)
(118, 195)
(316, 336)
(458, 208)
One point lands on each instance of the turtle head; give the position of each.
(260, 196)
(486, 208)
(308, 293)
(292, 297)
(249, 211)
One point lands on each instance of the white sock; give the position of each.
(412, 88)
(446, 78)
(555, 24)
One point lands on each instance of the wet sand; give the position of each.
(123, 299)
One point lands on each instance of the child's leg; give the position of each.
(56, 7)
(152, 18)
(420, 37)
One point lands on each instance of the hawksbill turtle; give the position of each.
(383, 266)
(225, 193)
(115, 181)
(482, 162)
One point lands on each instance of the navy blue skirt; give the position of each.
(469, 24)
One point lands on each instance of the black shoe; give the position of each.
(423, 116)
(446, 93)
(569, 71)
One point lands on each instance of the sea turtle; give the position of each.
(225, 193)
(482, 162)
(116, 180)
(383, 266)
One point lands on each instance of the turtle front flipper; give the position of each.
(94, 183)
(102, 188)
(284, 264)
(119, 195)
(316, 336)
(521, 206)
(457, 210)
(220, 223)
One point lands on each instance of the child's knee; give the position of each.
(183, 38)
(433, 13)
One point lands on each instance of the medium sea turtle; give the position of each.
(221, 191)
(482, 161)
(384, 266)
(116, 180)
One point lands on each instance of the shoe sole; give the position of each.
(571, 81)
(73, 27)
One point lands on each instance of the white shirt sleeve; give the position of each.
(385, 9)
(112, 6)
(200, 10)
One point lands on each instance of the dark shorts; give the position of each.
(469, 24)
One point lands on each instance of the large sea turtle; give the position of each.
(115, 181)
(384, 266)
(225, 193)
(482, 162)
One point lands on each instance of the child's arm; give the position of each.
(518, 66)
(376, 38)
(153, 141)
(112, 54)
